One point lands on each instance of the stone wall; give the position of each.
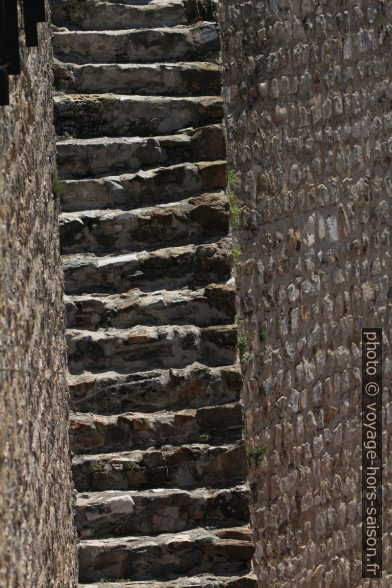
(36, 532)
(309, 134)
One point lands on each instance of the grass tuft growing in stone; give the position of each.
(235, 253)
(232, 180)
(256, 452)
(234, 210)
(263, 336)
(97, 468)
(233, 183)
(242, 346)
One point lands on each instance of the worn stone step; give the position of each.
(92, 433)
(166, 510)
(224, 552)
(212, 305)
(192, 387)
(195, 220)
(197, 42)
(161, 185)
(199, 581)
(112, 115)
(168, 269)
(99, 16)
(188, 466)
(166, 346)
(153, 79)
(82, 158)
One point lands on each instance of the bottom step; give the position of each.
(202, 581)
(221, 552)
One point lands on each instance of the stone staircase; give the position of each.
(156, 425)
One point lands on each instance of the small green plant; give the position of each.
(235, 253)
(129, 466)
(232, 180)
(235, 217)
(234, 210)
(263, 336)
(97, 468)
(57, 189)
(205, 437)
(242, 346)
(256, 452)
(233, 183)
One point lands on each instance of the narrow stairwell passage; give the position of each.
(156, 425)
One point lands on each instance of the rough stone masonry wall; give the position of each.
(36, 531)
(309, 133)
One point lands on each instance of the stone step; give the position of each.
(198, 42)
(92, 433)
(188, 466)
(163, 510)
(224, 552)
(165, 269)
(192, 387)
(153, 79)
(195, 220)
(161, 185)
(163, 347)
(108, 15)
(213, 305)
(81, 158)
(199, 581)
(112, 115)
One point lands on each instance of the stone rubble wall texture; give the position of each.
(309, 133)
(37, 543)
